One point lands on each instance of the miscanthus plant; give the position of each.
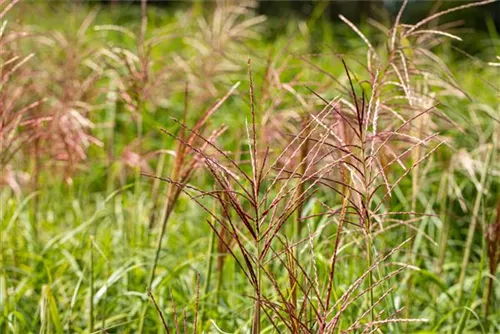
(15, 130)
(349, 157)
(319, 191)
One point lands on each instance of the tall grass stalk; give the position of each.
(493, 250)
(182, 170)
(473, 222)
(91, 285)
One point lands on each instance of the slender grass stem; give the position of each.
(156, 191)
(258, 294)
(473, 223)
(91, 286)
(208, 276)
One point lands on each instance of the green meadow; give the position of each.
(202, 168)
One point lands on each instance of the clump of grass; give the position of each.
(15, 113)
(319, 212)
(256, 206)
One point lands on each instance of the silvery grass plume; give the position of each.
(215, 49)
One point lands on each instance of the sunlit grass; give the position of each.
(162, 172)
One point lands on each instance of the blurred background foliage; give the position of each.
(484, 19)
(354, 9)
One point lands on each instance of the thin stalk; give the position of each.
(258, 293)
(160, 313)
(112, 97)
(297, 227)
(367, 221)
(156, 191)
(370, 275)
(444, 214)
(35, 184)
(144, 24)
(141, 100)
(91, 287)
(473, 223)
(167, 212)
(137, 185)
(218, 284)
(416, 155)
(301, 187)
(493, 250)
(445, 232)
(4, 300)
(255, 186)
(365, 199)
(173, 193)
(487, 300)
(208, 273)
(104, 304)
